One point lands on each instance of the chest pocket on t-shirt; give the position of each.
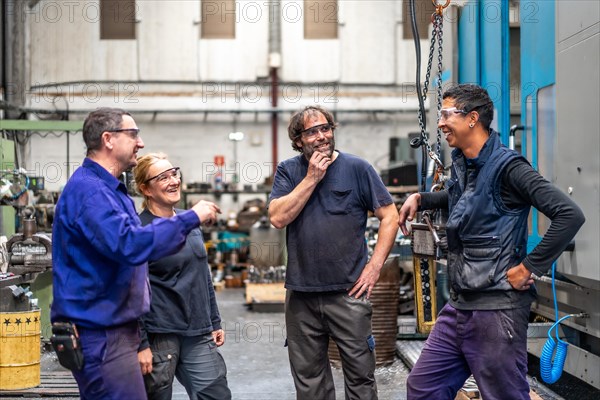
(339, 202)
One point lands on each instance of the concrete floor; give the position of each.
(257, 362)
(258, 366)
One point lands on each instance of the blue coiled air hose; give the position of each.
(549, 369)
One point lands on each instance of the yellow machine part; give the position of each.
(425, 292)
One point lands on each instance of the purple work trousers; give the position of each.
(490, 344)
(111, 369)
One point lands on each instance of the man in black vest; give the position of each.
(483, 328)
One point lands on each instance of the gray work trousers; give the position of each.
(311, 318)
(194, 360)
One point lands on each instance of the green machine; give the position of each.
(7, 213)
(25, 273)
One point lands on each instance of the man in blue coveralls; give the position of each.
(100, 253)
(322, 198)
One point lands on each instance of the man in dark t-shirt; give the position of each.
(322, 198)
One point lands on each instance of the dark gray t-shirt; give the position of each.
(326, 243)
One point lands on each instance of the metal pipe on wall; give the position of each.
(408, 88)
(3, 52)
(14, 65)
(3, 106)
(274, 115)
(67, 112)
(274, 64)
(7, 53)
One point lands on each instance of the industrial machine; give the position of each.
(560, 120)
(26, 255)
(539, 61)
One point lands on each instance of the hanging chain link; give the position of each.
(436, 35)
(440, 21)
(430, 61)
(424, 134)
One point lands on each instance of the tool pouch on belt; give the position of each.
(66, 344)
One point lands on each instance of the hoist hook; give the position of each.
(437, 187)
(438, 7)
(436, 159)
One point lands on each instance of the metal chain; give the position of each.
(439, 22)
(429, 61)
(436, 35)
(424, 135)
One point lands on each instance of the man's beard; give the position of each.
(308, 149)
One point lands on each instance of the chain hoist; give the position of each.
(436, 37)
(426, 241)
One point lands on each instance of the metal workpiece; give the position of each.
(429, 236)
(14, 298)
(26, 255)
(29, 251)
(270, 274)
(423, 240)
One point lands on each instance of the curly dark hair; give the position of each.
(470, 97)
(296, 125)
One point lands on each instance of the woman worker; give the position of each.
(182, 331)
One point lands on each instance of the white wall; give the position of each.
(368, 67)
(243, 58)
(367, 37)
(306, 60)
(65, 45)
(161, 23)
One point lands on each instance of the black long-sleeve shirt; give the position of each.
(522, 186)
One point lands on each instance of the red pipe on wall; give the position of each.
(274, 116)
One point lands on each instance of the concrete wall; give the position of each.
(169, 68)
(65, 45)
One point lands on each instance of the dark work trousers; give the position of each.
(490, 344)
(311, 318)
(110, 365)
(194, 360)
